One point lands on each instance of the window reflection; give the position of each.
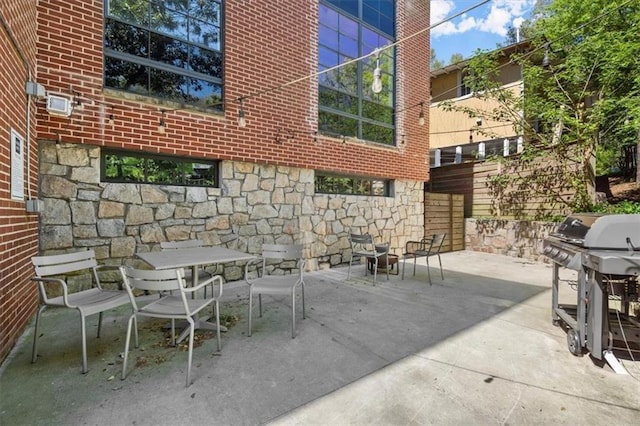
(182, 36)
(347, 104)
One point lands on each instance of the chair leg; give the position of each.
(349, 271)
(34, 349)
(260, 304)
(415, 262)
(217, 308)
(404, 264)
(375, 269)
(83, 327)
(99, 324)
(387, 263)
(428, 271)
(132, 318)
(250, 309)
(441, 273)
(293, 313)
(191, 337)
(304, 316)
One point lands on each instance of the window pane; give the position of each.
(328, 17)
(348, 47)
(349, 6)
(128, 76)
(337, 125)
(168, 22)
(169, 50)
(202, 93)
(126, 38)
(328, 37)
(348, 27)
(167, 85)
(136, 12)
(375, 111)
(327, 57)
(204, 33)
(372, 132)
(206, 62)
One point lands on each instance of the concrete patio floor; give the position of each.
(475, 348)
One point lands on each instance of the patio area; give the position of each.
(476, 347)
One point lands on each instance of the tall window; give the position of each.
(347, 106)
(168, 49)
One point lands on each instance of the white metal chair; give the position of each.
(427, 247)
(51, 274)
(174, 306)
(363, 245)
(278, 284)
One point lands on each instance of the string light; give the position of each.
(162, 125)
(376, 86)
(242, 122)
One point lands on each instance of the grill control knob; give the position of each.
(563, 256)
(554, 252)
(547, 250)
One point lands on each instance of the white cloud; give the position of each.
(495, 20)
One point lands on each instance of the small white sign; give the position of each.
(17, 166)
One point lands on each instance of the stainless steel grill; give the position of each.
(605, 251)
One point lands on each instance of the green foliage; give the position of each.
(624, 207)
(584, 105)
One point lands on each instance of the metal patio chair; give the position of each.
(427, 247)
(173, 306)
(363, 245)
(51, 273)
(274, 285)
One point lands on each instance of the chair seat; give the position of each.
(173, 306)
(93, 300)
(275, 284)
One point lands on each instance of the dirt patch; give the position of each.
(623, 190)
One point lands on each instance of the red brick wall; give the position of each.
(18, 230)
(268, 43)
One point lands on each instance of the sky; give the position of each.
(481, 28)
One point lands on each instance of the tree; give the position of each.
(455, 58)
(581, 96)
(435, 62)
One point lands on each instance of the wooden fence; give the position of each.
(445, 213)
(471, 180)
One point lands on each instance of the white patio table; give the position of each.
(194, 257)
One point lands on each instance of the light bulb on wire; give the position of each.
(242, 121)
(376, 87)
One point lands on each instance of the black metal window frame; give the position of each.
(120, 166)
(169, 52)
(347, 106)
(331, 183)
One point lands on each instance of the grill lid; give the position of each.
(599, 231)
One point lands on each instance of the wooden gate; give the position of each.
(445, 213)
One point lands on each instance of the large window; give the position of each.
(123, 166)
(336, 184)
(347, 105)
(170, 50)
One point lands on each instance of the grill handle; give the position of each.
(630, 245)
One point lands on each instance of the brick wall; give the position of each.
(267, 44)
(18, 230)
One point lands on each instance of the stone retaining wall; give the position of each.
(259, 203)
(516, 238)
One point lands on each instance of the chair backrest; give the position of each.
(156, 280)
(364, 243)
(169, 245)
(58, 264)
(436, 242)
(282, 251)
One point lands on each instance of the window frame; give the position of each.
(359, 122)
(387, 184)
(146, 156)
(150, 65)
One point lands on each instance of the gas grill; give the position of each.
(605, 252)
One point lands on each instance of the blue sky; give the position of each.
(482, 28)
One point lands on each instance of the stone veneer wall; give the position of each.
(516, 238)
(260, 203)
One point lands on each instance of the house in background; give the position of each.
(126, 124)
(454, 137)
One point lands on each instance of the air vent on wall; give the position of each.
(59, 105)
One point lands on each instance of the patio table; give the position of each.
(195, 257)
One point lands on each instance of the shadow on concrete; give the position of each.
(353, 328)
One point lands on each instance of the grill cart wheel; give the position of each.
(573, 342)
